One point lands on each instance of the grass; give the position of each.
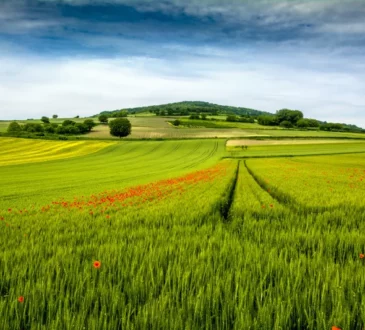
(185, 239)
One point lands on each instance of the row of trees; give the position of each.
(240, 119)
(197, 116)
(67, 127)
(187, 108)
(104, 118)
(287, 118)
(120, 126)
(294, 118)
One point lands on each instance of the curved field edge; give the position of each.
(16, 151)
(119, 166)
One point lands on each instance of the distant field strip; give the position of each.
(263, 151)
(19, 151)
(246, 142)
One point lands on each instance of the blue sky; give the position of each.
(79, 57)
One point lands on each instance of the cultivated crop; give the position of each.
(168, 235)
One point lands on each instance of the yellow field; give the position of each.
(31, 151)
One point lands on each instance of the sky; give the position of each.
(80, 57)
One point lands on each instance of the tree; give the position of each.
(45, 120)
(194, 116)
(103, 119)
(204, 116)
(14, 127)
(289, 115)
(55, 116)
(90, 124)
(120, 127)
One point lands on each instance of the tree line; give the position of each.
(287, 118)
(67, 127)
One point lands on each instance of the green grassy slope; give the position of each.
(114, 167)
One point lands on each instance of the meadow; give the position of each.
(181, 234)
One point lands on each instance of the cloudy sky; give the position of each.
(79, 57)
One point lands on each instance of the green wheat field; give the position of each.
(181, 234)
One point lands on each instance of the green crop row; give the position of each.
(167, 235)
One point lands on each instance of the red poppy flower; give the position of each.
(335, 328)
(362, 255)
(97, 264)
(21, 299)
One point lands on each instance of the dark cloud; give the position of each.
(65, 24)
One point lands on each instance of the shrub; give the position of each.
(82, 128)
(33, 128)
(176, 122)
(49, 129)
(286, 124)
(231, 118)
(121, 113)
(68, 122)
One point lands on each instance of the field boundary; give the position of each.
(291, 155)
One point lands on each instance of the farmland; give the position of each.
(145, 126)
(181, 234)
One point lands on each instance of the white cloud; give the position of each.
(31, 86)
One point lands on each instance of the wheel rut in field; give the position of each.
(282, 199)
(227, 204)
